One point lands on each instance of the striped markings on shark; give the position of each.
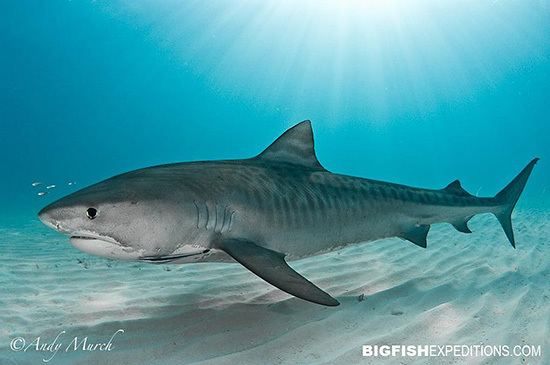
(280, 204)
(213, 216)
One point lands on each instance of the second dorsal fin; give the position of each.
(295, 146)
(456, 188)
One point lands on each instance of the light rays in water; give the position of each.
(375, 61)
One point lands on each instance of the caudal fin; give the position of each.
(509, 197)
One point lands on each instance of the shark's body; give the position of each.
(281, 203)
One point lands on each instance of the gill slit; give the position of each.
(230, 221)
(198, 212)
(207, 215)
(211, 221)
(223, 220)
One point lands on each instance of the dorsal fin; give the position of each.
(456, 188)
(295, 146)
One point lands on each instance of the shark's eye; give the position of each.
(91, 213)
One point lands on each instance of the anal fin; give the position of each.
(418, 235)
(272, 267)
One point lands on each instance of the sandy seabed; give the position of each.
(464, 289)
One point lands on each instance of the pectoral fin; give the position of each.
(272, 267)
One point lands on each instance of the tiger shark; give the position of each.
(262, 211)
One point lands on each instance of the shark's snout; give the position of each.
(64, 219)
(45, 215)
(55, 218)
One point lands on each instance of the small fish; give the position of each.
(50, 186)
(71, 183)
(36, 183)
(42, 193)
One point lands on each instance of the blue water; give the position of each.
(419, 93)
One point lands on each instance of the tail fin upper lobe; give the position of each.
(509, 197)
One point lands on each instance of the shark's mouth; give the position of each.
(95, 237)
(94, 243)
(103, 246)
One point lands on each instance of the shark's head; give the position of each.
(119, 218)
